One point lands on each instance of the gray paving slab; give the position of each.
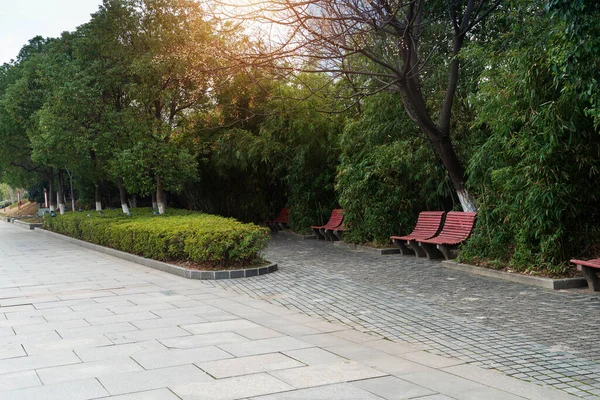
(158, 394)
(154, 379)
(232, 388)
(340, 391)
(392, 388)
(19, 380)
(73, 390)
(82, 371)
(150, 359)
(325, 374)
(248, 365)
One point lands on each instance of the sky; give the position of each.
(21, 20)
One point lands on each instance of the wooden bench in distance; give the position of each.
(335, 220)
(457, 228)
(589, 269)
(282, 219)
(428, 225)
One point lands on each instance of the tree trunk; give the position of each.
(61, 192)
(154, 204)
(123, 196)
(160, 195)
(72, 191)
(97, 198)
(445, 151)
(133, 202)
(51, 198)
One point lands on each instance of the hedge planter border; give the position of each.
(166, 267)
(548, 283)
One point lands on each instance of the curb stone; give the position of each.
(368, 249)
(548, 283)
(166, 267)
(295, 235)
(25, 225)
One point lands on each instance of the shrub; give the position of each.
(178, 235)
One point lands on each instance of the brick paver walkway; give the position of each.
(76, 324)
(535, 334)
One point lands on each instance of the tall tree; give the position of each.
(392, 43)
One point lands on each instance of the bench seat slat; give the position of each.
(594, 263)
(427, 226)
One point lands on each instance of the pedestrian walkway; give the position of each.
(76, 324)
(535, 334)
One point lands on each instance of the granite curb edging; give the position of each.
(166, 267)
(25, 225)
(295, 235)
(548, 283)
(373, 250)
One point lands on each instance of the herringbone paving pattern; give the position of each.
(531, 333)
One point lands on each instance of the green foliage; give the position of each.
(387, 173)
(35, 193)
(177, 235)
(533, 174)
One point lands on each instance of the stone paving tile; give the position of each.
(207, 339)
(232, 388)
(159, 394)
(45, 360)
(481, 321)
(73, 390)
(151, 359)
(392, 388)
(93, 369)
(66, 344)
(154, 379)
(340, 391)
(314, 356)
(326, 374)
(222, 326)
(265, 346)
(19, 380)
(248, 365)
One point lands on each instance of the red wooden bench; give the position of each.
(589, 269)
(282, 219)
(335, 220)
(457, 228)
(428, 225)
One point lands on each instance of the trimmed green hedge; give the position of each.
(178, 235)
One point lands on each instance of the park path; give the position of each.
(534, 334)
(76, 324)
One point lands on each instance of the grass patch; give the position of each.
(183, 237)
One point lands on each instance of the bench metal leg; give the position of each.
(431, 251)
(404, 250)
(328, 233)
(447, 251)
(415, 246)
(338, 234)
(591, 278)
(318, 234)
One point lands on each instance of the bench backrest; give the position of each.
(284, 216)
(337, 216)
(428, 224)
(458, 226)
